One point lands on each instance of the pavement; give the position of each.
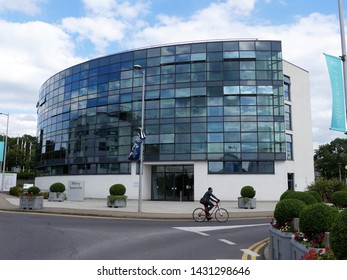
(149, 209)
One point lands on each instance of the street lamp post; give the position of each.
(5, 149)
(139, 68)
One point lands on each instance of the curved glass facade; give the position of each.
(215, 101)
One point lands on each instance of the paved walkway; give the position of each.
(150, 209)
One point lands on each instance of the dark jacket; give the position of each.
(209, 196)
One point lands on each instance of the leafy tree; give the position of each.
(326, 187)
(21, 153)
(330, 159)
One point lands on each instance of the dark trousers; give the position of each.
(208, 206)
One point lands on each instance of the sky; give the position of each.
(42, 37)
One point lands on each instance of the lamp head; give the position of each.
(137, 67)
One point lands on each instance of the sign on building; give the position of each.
(10, 180)
(75, 190)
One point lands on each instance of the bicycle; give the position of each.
(221, 214)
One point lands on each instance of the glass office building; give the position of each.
(215, 113)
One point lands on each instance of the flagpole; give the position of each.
(343, 48)
(5, 149)
(139, 67)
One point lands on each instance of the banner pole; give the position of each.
(343, 48)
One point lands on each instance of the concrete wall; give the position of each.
(302, 165)
(226, 187)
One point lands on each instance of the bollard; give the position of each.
(327, 239)
(296, 224)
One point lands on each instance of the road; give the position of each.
(51, 237)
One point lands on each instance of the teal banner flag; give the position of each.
(2, 148)
(338, 118)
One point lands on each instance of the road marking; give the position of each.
(202, 230)
(249, 252)
(227, 241)
(256, 247)
(259, 247)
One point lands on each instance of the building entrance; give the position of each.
(173, 182)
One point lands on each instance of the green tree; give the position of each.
(330, 159)
(21, 153)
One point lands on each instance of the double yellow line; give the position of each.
(256, 247)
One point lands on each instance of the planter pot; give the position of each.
(55, 196)
(280, 246)
(30, 203)
(298, 250)
(250, 204)
(117, 203)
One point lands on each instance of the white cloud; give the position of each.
(29, 53)
(18, 125)
(100, 31)
(30, 7)
(105, 22)
(115, 8)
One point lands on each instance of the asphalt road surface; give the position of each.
(31, 236)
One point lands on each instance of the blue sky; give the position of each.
(42, 37)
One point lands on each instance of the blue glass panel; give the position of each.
(215, 167)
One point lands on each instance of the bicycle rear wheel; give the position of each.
(222, 215)
(199, 215)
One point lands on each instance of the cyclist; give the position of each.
(207, 202)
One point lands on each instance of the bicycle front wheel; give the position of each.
(222, 215)
(199, 215)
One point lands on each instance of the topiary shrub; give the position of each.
(316, 195)
(288, 209)
(303, 196)
(338, 236)
(117, 189)
(339, 199)
(247, 191)
(34, 190)
(317, 218)
(285, 194)
(57, 188)
(117, 196)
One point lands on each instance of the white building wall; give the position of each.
(303, 165)
(228, 187)
(95, 186)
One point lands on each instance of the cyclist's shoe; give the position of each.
(209, 218)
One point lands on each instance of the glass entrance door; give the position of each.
(173, 182)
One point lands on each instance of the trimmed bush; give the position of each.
(338, 236)
(303, 196)
(16, 191)
(317, 218)
(34, 190)
(288, 209)
(285, 194)
(57, 187)
(117, 189)
(247, 191)
(316, 195)
(339, 199)
(117, 192)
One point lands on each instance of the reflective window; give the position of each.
(288, 117)
(214, 100)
